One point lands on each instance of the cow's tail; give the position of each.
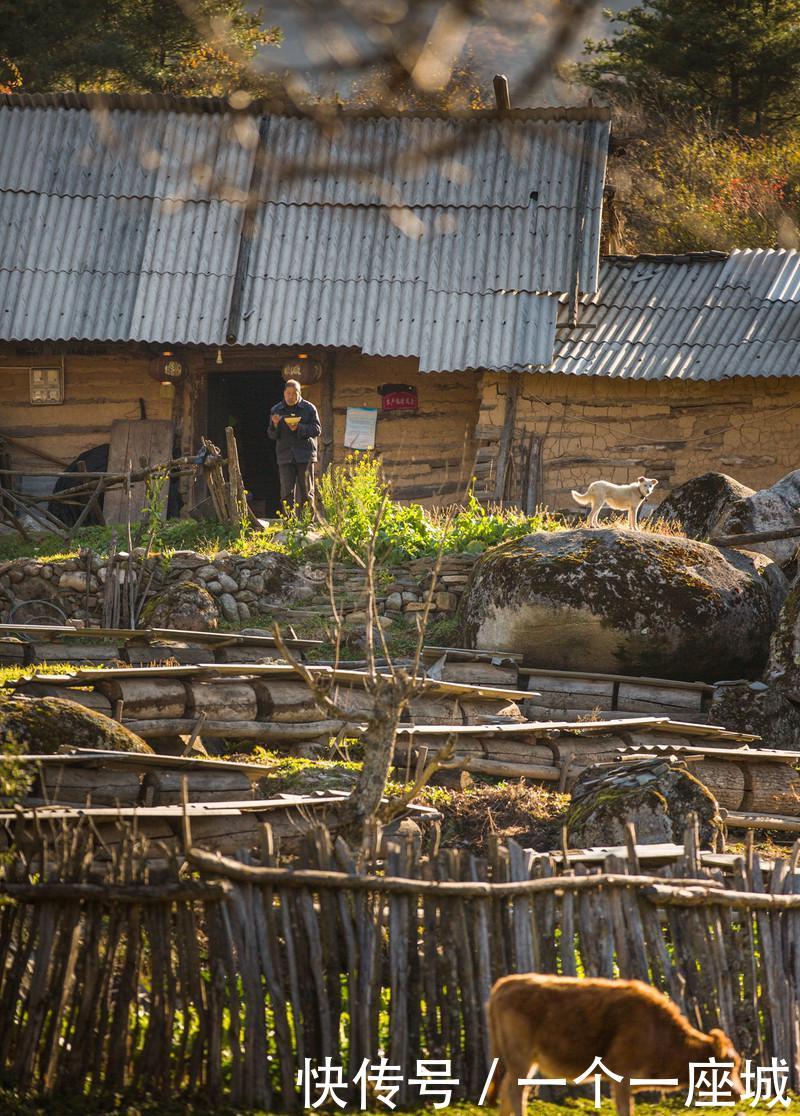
(494, 1053)
(582, 498)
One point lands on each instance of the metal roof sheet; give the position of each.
(446, 330)
(125, 222)
(708, 317)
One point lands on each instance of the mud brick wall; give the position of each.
(595, 427)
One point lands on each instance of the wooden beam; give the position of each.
(504, 450)
(502, 94)
(755, 537)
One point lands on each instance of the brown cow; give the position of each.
(559, 1025)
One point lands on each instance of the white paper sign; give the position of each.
(359, 428)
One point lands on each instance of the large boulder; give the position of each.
(770, 509)
(185, 606)
(700, 505)
(40, 726)
(659, 796)
(769, 707)
(624, 601)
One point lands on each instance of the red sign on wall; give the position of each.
(400, 400)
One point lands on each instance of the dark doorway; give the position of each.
(243, 400)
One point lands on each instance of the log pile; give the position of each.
(267, 703)
(223, 801)
(553, 694)
(748, 781)
(223, 827)
(91, 777)
(568, 695)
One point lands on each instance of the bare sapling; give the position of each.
(391, 687)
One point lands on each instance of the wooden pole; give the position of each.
(502, 94)
(755, 537)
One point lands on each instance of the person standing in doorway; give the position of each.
(294, 426)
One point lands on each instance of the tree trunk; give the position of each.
(391, 696)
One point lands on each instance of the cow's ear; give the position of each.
(721, 1043)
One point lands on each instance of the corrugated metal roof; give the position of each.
(446, 330)
(124, 223)
(707, 317)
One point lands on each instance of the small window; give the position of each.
(47, 385)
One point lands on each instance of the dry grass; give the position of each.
(530, 813)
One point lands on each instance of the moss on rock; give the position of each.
(627, 601)
(185, 605)
(40, 726)
(700, 504)
(660, 802)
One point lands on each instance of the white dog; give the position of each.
(620, 497)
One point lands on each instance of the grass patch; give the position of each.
(205, 537)
(14, 673)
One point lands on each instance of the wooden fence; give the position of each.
(222, 984)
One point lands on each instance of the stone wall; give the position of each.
(593, 427)
(243, 588)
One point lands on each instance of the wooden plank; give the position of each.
(738, 755)
(461, 654)
(209, 671)
(91, 757)
(670, 683)
(548, 685)
(633, 695)
(194, 809)
(535, 711)
(177, 635)
(738, 819)
(266, 731)
(134, 444)
(536, 728)
(479, 674)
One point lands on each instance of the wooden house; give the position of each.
(436, 284)
(164, 263)
(676, 366)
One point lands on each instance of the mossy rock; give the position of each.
(280, 574)
(770, 707)
(185, 606)
(627, 602)
(769, 509)
(701, 503)
(660, 802)
(40, 726)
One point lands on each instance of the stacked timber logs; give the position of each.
(223, 801)
(553, 694)
(223, 827)
(752, 783)
(568, 695)
(267, 703)
(91, 777)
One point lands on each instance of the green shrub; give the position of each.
(350, 496)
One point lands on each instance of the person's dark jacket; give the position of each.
(295, 445)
